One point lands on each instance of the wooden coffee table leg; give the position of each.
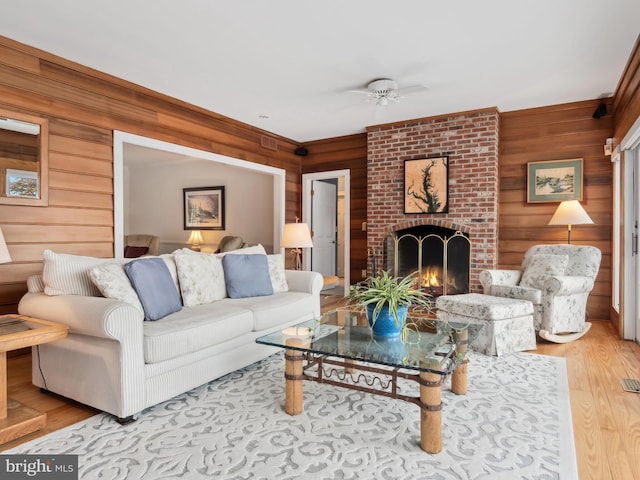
(350, 366)
(459, 378)
(293, 382)
(431, 412)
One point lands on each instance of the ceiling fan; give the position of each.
(383, 90)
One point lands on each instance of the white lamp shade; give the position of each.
(4, 251)
(296, 235)
(195, 237)
(570, 212)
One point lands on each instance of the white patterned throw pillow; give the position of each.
(541, 266)
(112, 281)
(277, 274)
(201, 278)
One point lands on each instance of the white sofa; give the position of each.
(116, 361)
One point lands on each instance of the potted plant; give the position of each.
(387, 299)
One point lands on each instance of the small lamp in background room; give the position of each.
(296, 236)
(4, 251)
(195, 239)
(570, 212)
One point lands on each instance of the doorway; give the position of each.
(325, 207)
(324, 225)
(631, 272)
(120, 139)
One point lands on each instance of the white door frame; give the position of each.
(631, 300)
(307, 178)
(120, 138)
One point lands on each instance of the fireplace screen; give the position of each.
(440, 255)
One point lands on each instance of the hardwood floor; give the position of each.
(606, 419)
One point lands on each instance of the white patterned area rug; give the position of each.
(515, 423)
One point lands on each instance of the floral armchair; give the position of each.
(557, 279)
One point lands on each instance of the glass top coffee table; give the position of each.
(339, 349)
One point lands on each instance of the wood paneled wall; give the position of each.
(349, 152)
(555, 133)
(83, 107)
(626, 110)
(626, 105)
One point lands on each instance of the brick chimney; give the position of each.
(470, 140)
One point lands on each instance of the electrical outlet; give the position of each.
(363, 273)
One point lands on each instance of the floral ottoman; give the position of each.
(508, 321)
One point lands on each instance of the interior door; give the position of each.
(631, 271)
(340, 249)
(323, 226)
(634, 238)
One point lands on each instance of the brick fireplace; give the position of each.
(470, 140)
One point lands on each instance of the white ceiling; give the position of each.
(295, 60)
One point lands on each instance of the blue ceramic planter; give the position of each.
(387, 349)
(385, 323)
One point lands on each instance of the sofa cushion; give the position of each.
(193, 329)
(252, 250)
(156, 291)
(66, 274)
(277, 273)
(35, 284)
(247, 275)
(277, 309)
(113, 282)
(540, 266)
(170, 260)
(201, 278)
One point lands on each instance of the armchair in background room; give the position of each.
(229, 243)
(557, 279)
(137, 245)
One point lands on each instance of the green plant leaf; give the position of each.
(388, 290)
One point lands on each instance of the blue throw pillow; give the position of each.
(152, 282)
(246, 275)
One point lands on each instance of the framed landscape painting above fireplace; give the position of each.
(554, 181)
(426, 185)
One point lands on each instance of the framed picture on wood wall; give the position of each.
(554, 181)
(203, 208)
(22, 183)
(426, 185)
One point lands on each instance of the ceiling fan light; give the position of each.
(382, 86)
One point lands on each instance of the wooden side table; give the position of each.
(18, 331)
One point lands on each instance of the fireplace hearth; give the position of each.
(441, 257)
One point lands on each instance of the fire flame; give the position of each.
(430, 278)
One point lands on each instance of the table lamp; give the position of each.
(4, 251)
(296, 236)
(570, 212)
(195, 239)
